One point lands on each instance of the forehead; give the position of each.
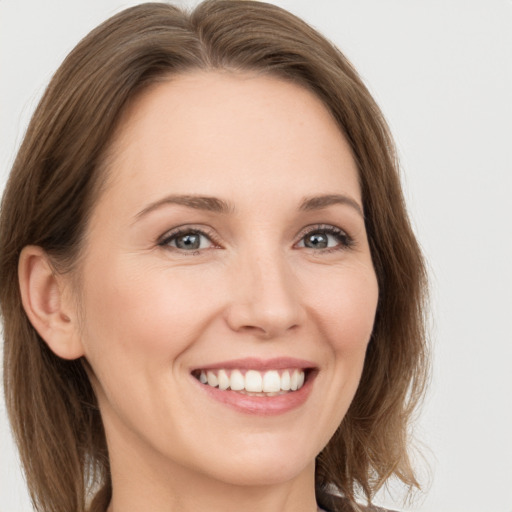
(217, 130)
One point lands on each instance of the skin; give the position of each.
(151, 312)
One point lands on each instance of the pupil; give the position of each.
(316, 241)
(190, 241)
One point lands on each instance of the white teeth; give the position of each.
(237, 381)
(300, 381)
(271, 382)
(294, 381)
(285, 381)
(212, 379)
(253, 381)
(223, 380)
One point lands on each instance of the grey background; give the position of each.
(442, 73)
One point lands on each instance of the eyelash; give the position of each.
(345, 240)
(168, 237)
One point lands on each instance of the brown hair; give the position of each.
(52, 188)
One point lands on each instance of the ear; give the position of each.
(48, 304)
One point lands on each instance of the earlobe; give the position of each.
(49, 309)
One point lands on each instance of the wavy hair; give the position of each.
(52, 189)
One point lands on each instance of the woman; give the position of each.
(212, 297)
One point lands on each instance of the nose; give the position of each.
(265, 299)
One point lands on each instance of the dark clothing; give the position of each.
(331, 503)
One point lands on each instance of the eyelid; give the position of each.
(348, 243)
(206, 231)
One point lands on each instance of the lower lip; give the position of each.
(261, 405)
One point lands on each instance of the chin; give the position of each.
(262, 473)
(264, 463)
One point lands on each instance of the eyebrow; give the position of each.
(211, 204)
(216, 205)
(324, 201)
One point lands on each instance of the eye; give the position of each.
(188, 240)
(325, 237)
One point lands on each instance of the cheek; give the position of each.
(346, 308)
(345, 314)
(142, 310)
(139, 322)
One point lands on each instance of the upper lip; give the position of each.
(254, 363)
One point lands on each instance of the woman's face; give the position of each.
(229, 245)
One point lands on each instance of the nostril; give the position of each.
(265, 323)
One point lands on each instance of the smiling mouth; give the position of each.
(254, 382)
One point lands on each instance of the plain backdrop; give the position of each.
(442, 73)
